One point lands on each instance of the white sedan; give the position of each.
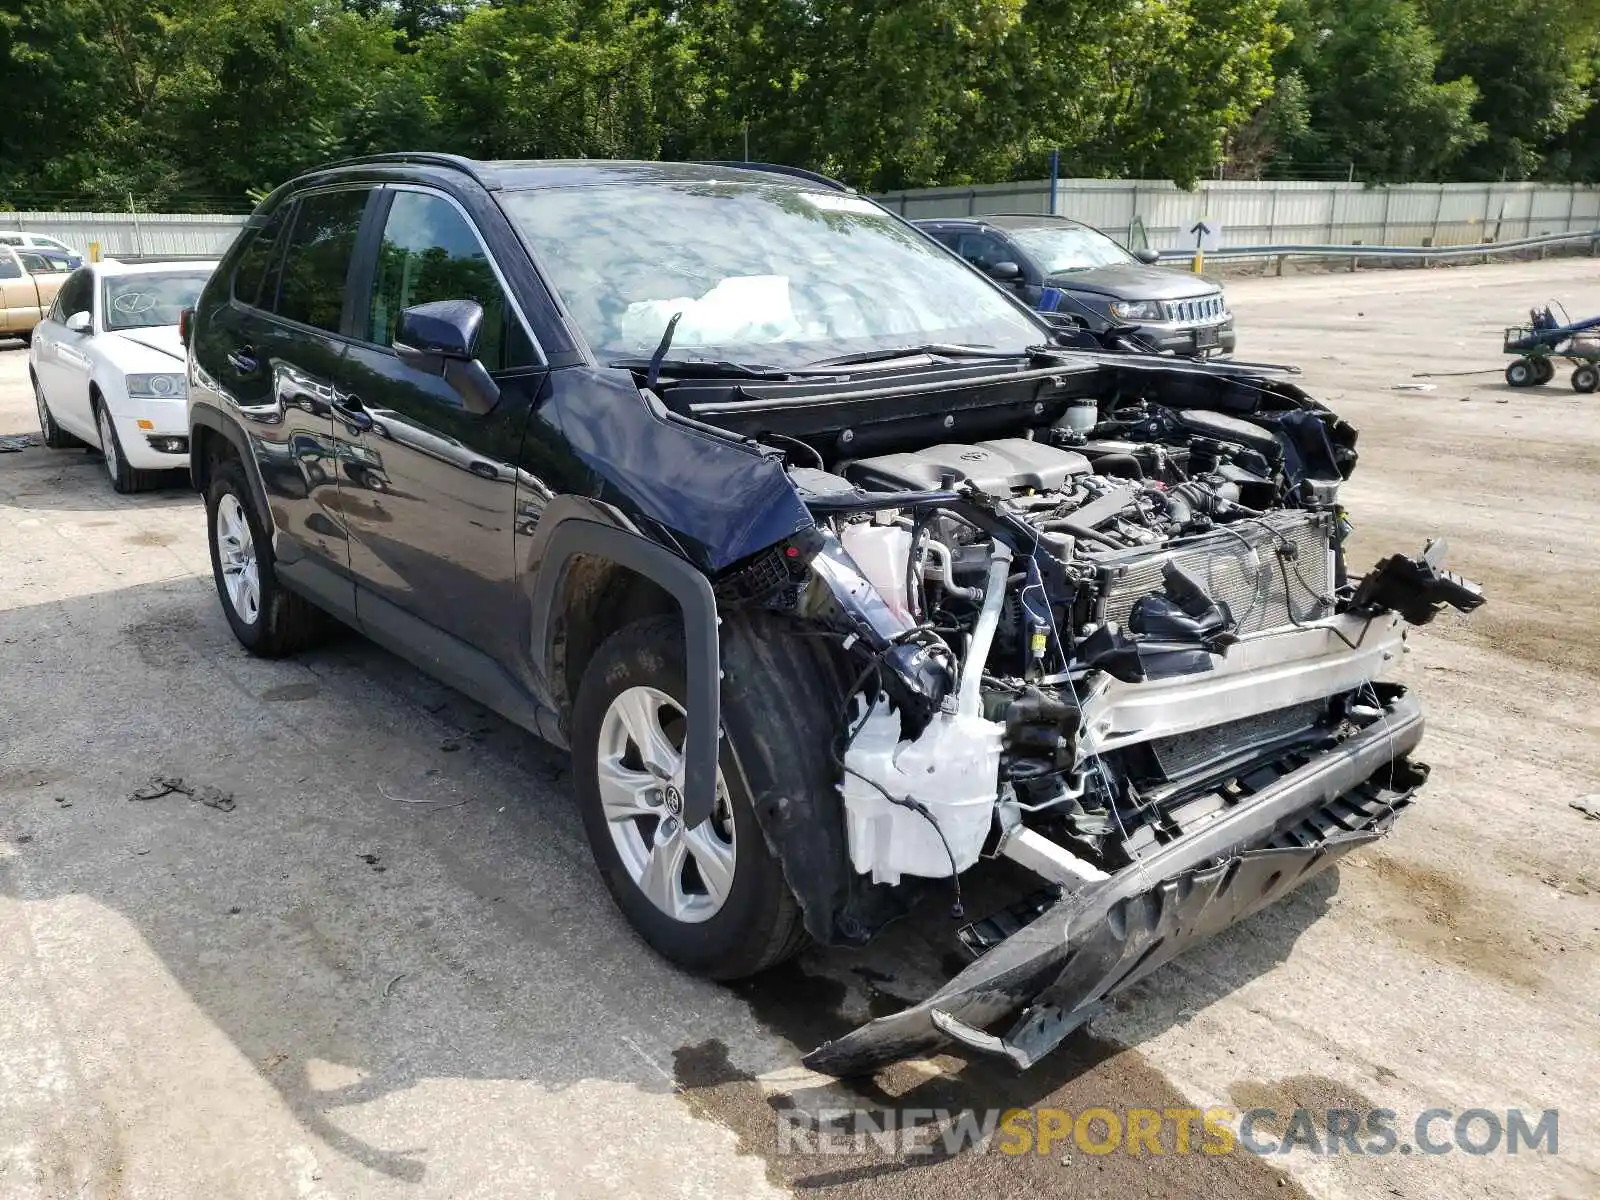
(107, 366)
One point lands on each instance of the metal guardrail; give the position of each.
(1356, 251)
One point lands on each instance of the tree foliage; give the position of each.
(188, 102)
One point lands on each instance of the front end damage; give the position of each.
(1093, 617)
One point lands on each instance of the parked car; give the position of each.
(1060, 266)
(18, 239)
(833, 571)
(29, 280)
(107, 366)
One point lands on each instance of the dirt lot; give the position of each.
(391, 971)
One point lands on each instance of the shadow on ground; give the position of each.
(329, 919)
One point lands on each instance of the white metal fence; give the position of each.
(132, 235)
(1159, 214)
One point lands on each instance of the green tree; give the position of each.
(1533, 61)
(1372, 98)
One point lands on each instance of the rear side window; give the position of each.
(430, 252)
(258, 258)
(317, 258)
(9, 268)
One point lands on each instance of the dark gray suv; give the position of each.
(1060, 266)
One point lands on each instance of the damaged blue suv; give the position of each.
(836, 569)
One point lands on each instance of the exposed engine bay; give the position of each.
(1109, 635)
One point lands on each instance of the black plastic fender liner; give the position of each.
(1054, 974)
(572, 537)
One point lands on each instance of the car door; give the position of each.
(17, 295)
(275, 352)
(61, 357)
(429, 488)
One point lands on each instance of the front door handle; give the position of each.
(243, 360)
(351, 411)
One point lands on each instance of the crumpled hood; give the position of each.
(1135, 281)
(157, 337)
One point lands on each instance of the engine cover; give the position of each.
(1001, 467)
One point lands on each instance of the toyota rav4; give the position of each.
(835, 568)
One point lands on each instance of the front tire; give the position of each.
(268, 621)
(52, 434)
(124, 479)
(712, 899)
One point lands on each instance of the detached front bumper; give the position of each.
(1052, 976)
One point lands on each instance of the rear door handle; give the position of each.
(243, 360)
(351, 411)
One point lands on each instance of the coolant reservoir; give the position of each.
(1082, 415)
(952, 770)
(882, 551)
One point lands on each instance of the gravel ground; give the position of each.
(391, 971)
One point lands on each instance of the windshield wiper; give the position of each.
(695, 368)
(939, 349)
(689, 368)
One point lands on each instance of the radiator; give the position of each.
(1239, 566)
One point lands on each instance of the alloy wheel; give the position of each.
(108, 445)
(236, 554)
(686, 873)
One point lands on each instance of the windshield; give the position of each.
(140, 301)
(1070, 248)
(765, 274)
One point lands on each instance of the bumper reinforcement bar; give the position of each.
(1052, 976)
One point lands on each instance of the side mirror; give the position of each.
(80, 322)
(1003, 272)
(185, 325)
(441, 338)
(1147, 256)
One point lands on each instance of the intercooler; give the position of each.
(1270, 571)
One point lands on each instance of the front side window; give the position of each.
(145, 300)
(36, 263)
(317, 259)
(8, 267)
(77, 293)
(1066, 248)
(430, 252)
(983, 249)
(762, 273)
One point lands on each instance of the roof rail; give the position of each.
(421, 158)
(780, 169)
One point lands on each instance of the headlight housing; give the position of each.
(163, 385)
(1137, 310)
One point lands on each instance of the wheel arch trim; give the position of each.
(572, 537)
(204, 416)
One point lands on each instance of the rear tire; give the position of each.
(52, 434)
(124, 479)
(1585, 378)
(739, 918)
(1521, 373)
(269, 621)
